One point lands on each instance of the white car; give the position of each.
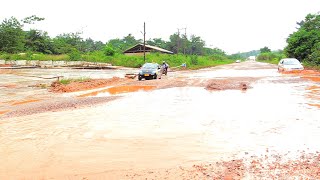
(289, 64)
(238, 61)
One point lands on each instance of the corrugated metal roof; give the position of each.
(151, 47)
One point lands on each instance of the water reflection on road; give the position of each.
(161, 129)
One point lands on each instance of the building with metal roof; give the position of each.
(138, 50)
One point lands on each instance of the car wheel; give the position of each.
(155, 76)
(139, 77)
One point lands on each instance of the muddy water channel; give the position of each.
(165, 128)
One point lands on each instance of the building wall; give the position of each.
(136, 54)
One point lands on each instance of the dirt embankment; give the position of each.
(59, 104)
(58, 87)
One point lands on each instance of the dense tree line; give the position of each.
(177, 44)
(304, 44)
(14, 39)
(243, 55)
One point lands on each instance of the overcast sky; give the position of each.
(232, 25)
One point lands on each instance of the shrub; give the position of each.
(74, 55)
(108, 50)
(194, 60)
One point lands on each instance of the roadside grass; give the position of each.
(70, 80)
(174, 61)
(311, 66)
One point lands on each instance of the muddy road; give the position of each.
(237, 121)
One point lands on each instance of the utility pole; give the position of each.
(144, 41)
(184, 42)
(178, 41)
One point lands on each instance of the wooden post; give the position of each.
(144, 41)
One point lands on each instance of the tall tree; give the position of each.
(197, 45)
(32, 19)
(265, 50)
(65, 43)
(38, 41)
(157, 42)
(117, 44)
(130, 41)
(174, 43)
(12, 37)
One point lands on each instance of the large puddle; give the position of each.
(117, 90)
(162, 129)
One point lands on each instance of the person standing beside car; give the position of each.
(165, 67)
(161, 71)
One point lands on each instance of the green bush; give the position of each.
(314, 57)
(269, 56)
(109, 50)
(5, 56)
(68, 81)
(194, 60)
(74, 55)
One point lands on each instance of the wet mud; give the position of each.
(59, 104)
(230, 84)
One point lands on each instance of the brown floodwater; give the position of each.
(158, 129)
(118, 90)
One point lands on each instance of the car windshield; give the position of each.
(291, 62)
(149, 66)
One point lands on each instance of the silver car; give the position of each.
(289, 64)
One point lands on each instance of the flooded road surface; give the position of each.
(30, 85)
(159, 129)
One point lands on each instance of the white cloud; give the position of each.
(231, 25)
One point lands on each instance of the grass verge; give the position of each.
(70, 80)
